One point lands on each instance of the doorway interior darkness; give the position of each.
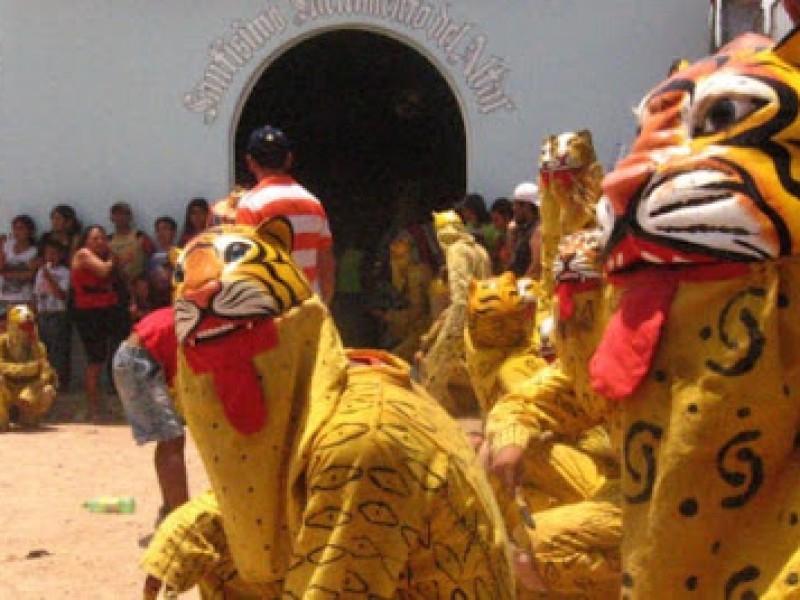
(371, 121)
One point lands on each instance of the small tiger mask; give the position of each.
(578, 257)
(449, 228)
(500, 310)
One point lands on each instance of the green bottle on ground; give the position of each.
(111, 504)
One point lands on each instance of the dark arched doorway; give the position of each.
(371, 121)
(378, 136)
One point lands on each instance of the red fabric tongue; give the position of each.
(566, 292)
(623, 357)
(230, 359)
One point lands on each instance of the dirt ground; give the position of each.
(50, 546)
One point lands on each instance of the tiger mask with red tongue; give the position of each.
(701, 228)
(711, 184)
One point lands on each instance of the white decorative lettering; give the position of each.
(422, 16)
(485, 78)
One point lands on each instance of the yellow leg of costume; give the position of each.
(576, 548)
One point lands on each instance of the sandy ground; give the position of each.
(50, 546)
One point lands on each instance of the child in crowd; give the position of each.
(141, 298)
(159, 266)
(51, 287)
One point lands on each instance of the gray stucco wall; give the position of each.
(92, 93)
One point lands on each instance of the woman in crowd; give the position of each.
(18, 263)
(96, 307)
(195, 220)
(500, 252)
(64, 229)
(472, 210)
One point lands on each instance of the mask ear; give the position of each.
(277, 230)
(788, 49)
(678, 65)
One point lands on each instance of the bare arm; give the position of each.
(535, 242)
(326, 271)
(86, 259)
(52, 283)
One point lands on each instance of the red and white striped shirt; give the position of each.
(281, 195)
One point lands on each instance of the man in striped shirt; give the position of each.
(269, 158)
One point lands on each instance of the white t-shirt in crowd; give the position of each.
(13, 291)
(46, 300)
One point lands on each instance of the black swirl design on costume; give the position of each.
(741, 577)
(737, 449)
(641, 435)
(756, 340)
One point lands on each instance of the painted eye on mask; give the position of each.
(235, 251)
(724, 100)
(725, 113)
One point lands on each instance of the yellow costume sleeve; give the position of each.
(190, 549)
(187, 544)
(544, 403)
(21, 370)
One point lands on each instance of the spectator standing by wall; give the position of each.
(64, 228)
(195, 220)
(18, 263)
(97, 313)
(159, 265)
(51, 287)
(269, 157)
(501, 215)
(524, 230)
(130, 247)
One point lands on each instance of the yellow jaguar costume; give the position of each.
(27, 382)
(499, 353)
(702, 242)
(569, 186)
(335, 475)
(443, 369)
(411, 280)
(570, 472)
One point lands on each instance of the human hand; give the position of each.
(152, 586)
(525, 569)
(507, 465)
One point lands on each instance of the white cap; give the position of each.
(526, 192)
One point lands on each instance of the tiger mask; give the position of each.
(710, 185)
(713, 175)
(230, 276)
(500, 310)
